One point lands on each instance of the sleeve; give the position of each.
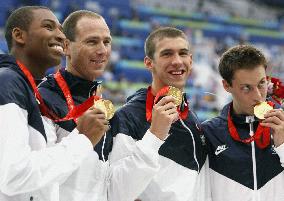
(133, 164)
(88, 182)
(24, 168)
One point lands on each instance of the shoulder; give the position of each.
(10, 77)
(130, 119)
(212, 123)
(13, 88)
(131, 112)
(213, 126)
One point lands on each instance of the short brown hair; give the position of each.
(158, 34)
(240, 57)
(69, 24)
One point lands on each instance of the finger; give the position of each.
(269, 125)
(91, 108)
(273, 119)
(171, 111)
(102, 122)
(98, 111)
(168, 106)
(276, 112)
(164, 108)
(174, 117)
(165, 100)
(99, 116)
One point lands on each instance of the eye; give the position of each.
(107, 42)
(246, 88)
(48, 27)
(92, 42)
(262, 84)
(166, 54)
(184, 53)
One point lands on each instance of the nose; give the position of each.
(176, 60)
(101, 48)
(258, 95)
(60, 36)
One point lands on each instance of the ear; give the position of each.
(148, 62)
(190, 62)
(226, 86)
(190, 56)
(19, 36)
(67, 47)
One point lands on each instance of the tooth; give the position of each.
(58, 48)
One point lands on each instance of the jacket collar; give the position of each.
(79, 86)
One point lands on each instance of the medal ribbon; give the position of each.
(73, 111)
(261, 136)
(43, 108)
(151, 100)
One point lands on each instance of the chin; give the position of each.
(179, 86)
(97, 74)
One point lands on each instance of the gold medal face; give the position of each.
(261, 109)
(106, 106)
(176, 93)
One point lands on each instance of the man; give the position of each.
(182, 157)
(245, 164)
(119, 179)
(32, 165)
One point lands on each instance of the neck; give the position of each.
(73, 71)
(37, 69)
(76, 73)
(237, 110)
(155, 89)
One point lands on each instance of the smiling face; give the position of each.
(171, 64)
(44, 40)
(89, 54)
(248, 88)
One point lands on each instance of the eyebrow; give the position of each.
(54, 23)
(263, 79)
(167, 50)
(97, 38)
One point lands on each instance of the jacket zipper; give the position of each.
(255, 193)
(193, 142)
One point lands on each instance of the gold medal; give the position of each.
(261, 109)
(106, 106)
(176, 93)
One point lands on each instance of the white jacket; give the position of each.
(30, 167)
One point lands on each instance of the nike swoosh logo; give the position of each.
(220, 149)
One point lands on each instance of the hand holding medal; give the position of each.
(177, 94)
(164, 109)
(273, 119)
